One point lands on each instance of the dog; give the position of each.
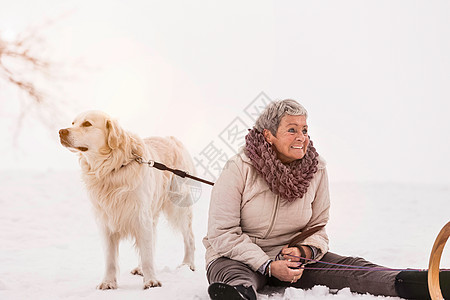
(127, 196)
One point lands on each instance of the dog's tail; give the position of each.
(184, 191)
(184, 161)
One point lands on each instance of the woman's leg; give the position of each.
(375, 283)
(234, 273)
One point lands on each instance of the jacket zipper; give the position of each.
(274, 216)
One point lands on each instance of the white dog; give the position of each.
(127, 196)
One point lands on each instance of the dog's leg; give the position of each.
(189, 248)
(188, 238)
(181, 219)
(112, 251)
(138, 269)
(145, 245)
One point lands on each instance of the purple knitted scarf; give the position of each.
(290, 181)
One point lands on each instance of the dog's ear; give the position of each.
(114, 134)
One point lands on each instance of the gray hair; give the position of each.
(274, 111)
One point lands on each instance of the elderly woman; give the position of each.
(274, 189)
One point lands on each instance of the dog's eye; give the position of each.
(86, 124)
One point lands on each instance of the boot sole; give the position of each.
(223, 291)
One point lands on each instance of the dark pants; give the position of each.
(374, 282)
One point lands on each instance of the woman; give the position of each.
(275, 188)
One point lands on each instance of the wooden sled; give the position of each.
(435, 259)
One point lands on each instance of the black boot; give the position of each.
(414, 284)
(223, 291)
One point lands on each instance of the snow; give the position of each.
(51, 248)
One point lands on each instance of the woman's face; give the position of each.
(291, 140)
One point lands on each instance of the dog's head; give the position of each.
(92, 132)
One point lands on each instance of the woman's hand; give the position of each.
(281, 269)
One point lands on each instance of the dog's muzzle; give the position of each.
(63, 136)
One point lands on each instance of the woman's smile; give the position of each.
(291, 140)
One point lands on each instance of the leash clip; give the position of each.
(139, 159)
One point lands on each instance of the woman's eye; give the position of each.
(305, 131)
(292, 130)
(86, 124)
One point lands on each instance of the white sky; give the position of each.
(374, 76)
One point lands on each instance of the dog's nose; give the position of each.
(63, 132)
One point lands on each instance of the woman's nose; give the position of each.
(301, 137)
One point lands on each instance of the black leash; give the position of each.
(162, 167)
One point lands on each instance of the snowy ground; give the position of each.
(50, 246)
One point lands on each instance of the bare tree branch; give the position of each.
(19, 61)
(42, 84)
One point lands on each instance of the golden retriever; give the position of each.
(127, 196)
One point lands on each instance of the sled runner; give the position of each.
(435, 259)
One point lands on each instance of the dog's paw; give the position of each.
(191, 266)
(107, 285)
(137, 271)
(151, 283)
